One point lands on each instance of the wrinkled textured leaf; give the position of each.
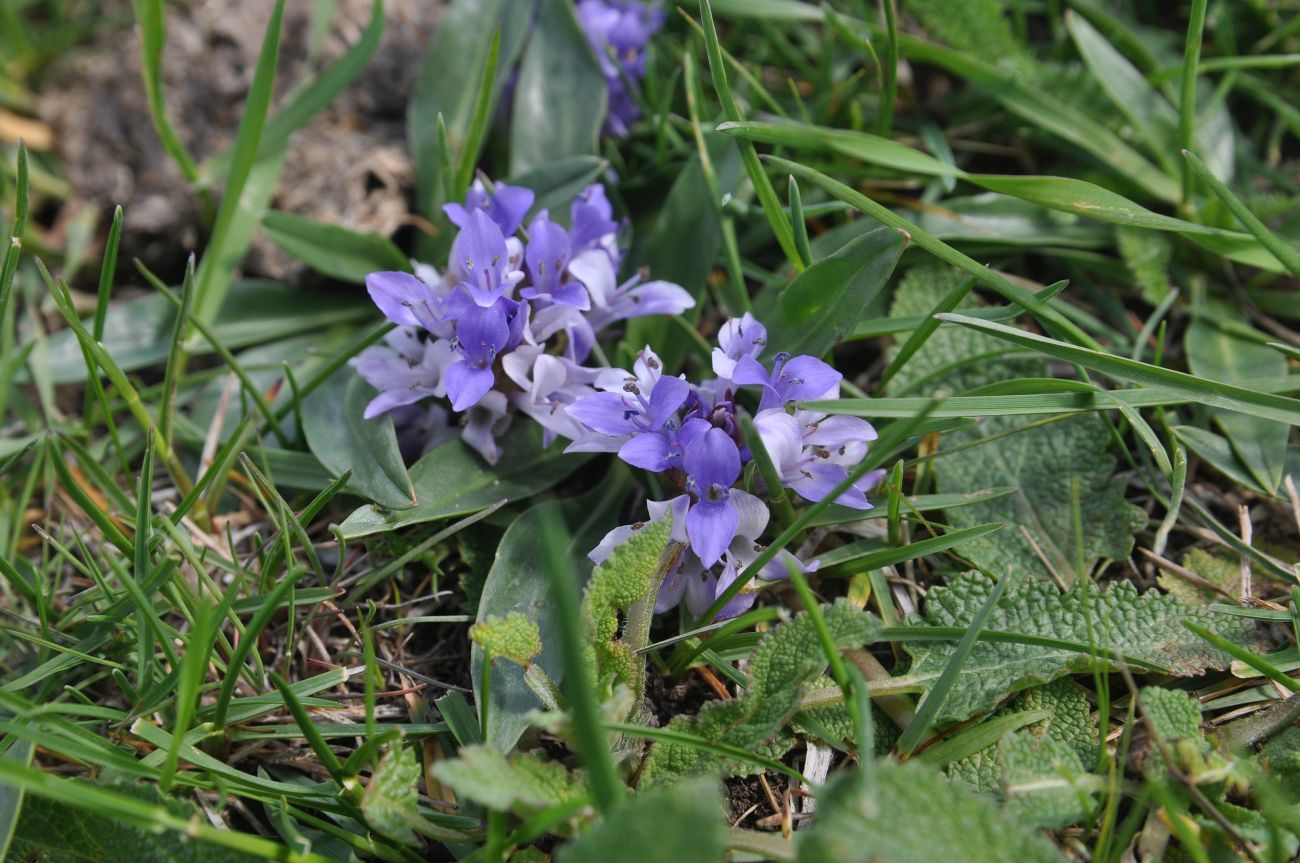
(823, 304)
(343, 441)
(512, 637)
(391, 800)
(1222, 573)
(1045, 464)
(681, 823)
(627, 576)
(907, 813)
(1221, 355)
(1147, 627)
(784, 664)
(1070, 723)
(1043, 781)
(560, 95)
(506, 783)
(454, 480)
(51, 832)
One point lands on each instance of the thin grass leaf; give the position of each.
(269, 607)
(1214, 393)
(1187, 88)
(749, 156)
(478, 122)
(150, 18)
(593, 748)
(933, 702)
(212, 281)
(1280, 248)
(1240, 653)
(194, 668)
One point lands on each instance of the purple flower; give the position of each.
(591, 220)
(612, 302)
(405, 300)
(815, 456)
(692, 581)
(639, 421)
(506, 206)
(482, 261)
(547, 386)
(738, 339)
(481, 334)
(484, 423)
(621, 28)
(791, 380)
(712, 464)
(547, 256)
(404, 369)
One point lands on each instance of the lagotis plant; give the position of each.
(533, 308)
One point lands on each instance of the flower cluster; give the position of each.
(619, 31)
(509, 324)
(691, 433)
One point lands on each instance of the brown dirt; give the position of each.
(349, 166)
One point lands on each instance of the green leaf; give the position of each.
(1140, 103)
(517, 583)
(332, 249)
(448, 84)
(1050, 528)
(822, 305)
(1225, 574)
(1068, 721)
(557, 183)
(391, 800)
(515, 783)
(454, 480)
(1215, 353)
(785, 663)
(138, 332)
(1147, 627)
(907, 813)
(688, 219)
(681, 823)
(344, 441)
(1049, 112)
(629, 577)
(1146, 255)
(53, 831)
(1044, 782)
(560, 97)
(770, 10)
(1218, 453)
(11, 797)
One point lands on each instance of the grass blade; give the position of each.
(1214, 393)
(929, 707)
(212, 281)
